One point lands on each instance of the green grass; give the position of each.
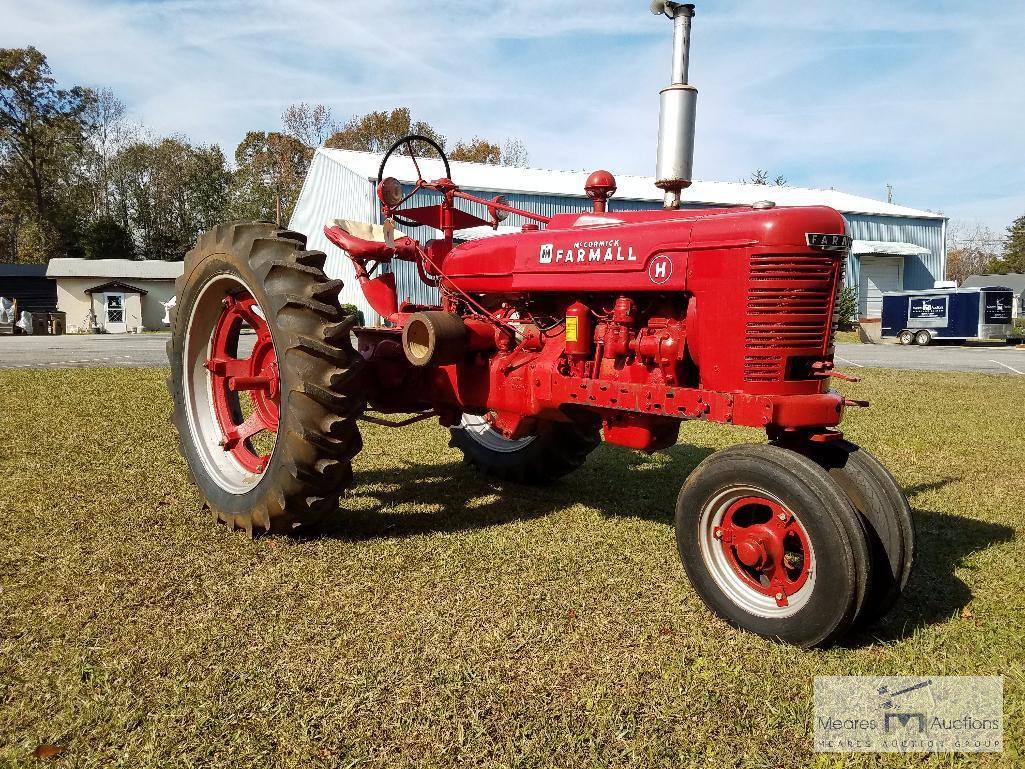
(446, 620)
(848, 337)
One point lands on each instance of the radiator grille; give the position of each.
(789, 308)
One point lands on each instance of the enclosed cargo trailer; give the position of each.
(961, 314)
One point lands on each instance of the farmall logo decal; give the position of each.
(587, 252)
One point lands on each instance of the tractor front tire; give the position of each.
(299, 391)
(772, 544)
(885, 511)
(555, 450)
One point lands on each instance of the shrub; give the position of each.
(847, 308)
(351, 309)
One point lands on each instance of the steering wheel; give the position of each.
(408, 141)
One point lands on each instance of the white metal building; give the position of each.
(895, 247)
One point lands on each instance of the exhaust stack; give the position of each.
(678, 109)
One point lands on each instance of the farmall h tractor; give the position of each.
(598, 324)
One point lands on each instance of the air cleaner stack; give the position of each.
(678, 109)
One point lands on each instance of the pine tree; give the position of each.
(1013, 258)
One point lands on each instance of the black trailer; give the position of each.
(960, 314)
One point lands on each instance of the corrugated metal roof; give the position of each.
(1013, 280)
(889, 248)
(151, 269)
(479, 176)
(478, 233)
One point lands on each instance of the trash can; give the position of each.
(58, 322)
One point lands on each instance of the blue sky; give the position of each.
(926, 96)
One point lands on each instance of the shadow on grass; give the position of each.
(934, 592)
(417, 499)
(414, 499)
(919, 488)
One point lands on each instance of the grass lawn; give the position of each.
(444, 619)
(848, 337)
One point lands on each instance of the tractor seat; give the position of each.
(362, 239)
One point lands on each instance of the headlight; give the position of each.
(497, 214)
(389, 191)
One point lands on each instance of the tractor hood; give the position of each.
(634, 250)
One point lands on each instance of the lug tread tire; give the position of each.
(321, 387)
(558, 450)
(842, 548)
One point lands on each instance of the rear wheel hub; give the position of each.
(245, 390)
(233, 386)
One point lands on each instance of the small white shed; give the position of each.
(116, 295)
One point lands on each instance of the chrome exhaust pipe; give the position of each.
(674, 167)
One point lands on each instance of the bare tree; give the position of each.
(515, 154)
(972, 249)
(761, 177)
(309, 124)
(109, 133)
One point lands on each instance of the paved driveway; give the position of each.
(74, 351)
(83, 351)
(986, 359)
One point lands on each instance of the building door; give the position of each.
(878, 274)
(113, 319)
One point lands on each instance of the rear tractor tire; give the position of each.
(772, 544)
(268, 435)
(555, 450)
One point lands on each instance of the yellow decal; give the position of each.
(571, 329)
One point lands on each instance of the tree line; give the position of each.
(79, 178)
(977, 250)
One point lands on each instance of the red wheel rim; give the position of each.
(767, 547)
(230, 376)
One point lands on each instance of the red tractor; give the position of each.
(599, 324)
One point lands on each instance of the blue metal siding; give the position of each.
(919, 271)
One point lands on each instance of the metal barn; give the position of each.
(895, 248)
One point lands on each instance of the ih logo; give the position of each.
(660, 269)
(546, 253)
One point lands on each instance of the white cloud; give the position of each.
(922, 95)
